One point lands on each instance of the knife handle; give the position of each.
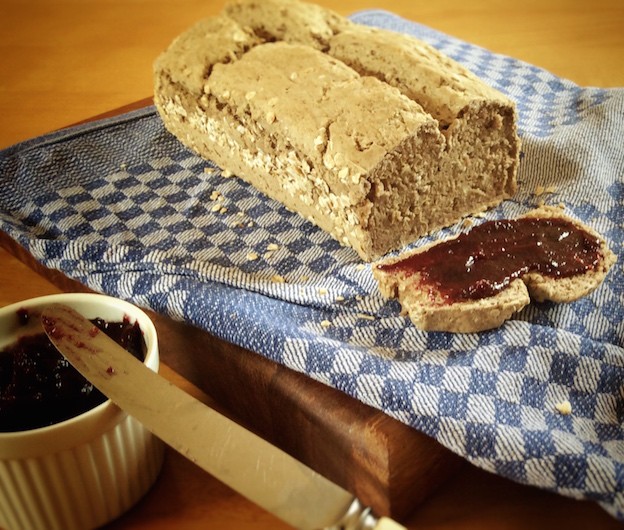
(385, 523)
(360, 517)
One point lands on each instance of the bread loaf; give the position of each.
(429, 310)
(374, 136)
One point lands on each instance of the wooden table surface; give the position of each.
(63, 61)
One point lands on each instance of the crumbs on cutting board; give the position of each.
(564, 407)
(241, 222)
(271, 249)
(218, 199)
(542, 190)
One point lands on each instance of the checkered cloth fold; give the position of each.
(122, 207)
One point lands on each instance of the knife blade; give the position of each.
(247, 463)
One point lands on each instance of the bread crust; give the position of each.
(429, 313)
(374, 136)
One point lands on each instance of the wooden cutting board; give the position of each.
(388, 465)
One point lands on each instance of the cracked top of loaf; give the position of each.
(441, 86)
(358, 119)
(288, 21)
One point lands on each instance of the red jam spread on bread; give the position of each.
(483, 261)
(38, 386)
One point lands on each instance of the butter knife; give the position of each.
(247, 463)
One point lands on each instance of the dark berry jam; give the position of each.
(482, 262)
(38, 387)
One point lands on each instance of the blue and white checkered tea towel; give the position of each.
(122, 207)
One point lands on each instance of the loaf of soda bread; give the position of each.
(429, 312)
(374, 136)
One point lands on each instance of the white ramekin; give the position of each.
(86, 471)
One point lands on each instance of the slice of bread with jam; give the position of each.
(479, 279)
